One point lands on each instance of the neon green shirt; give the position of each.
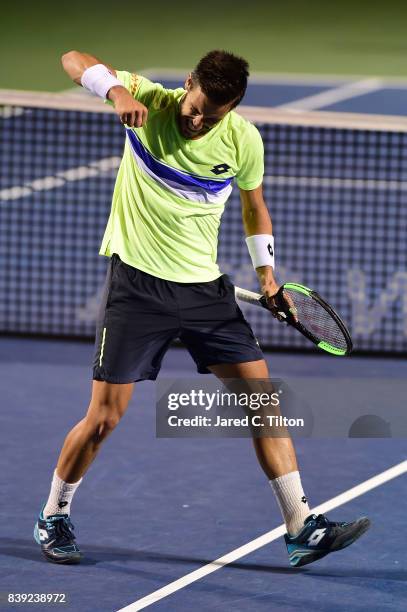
(170, 192)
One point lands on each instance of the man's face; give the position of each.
(197, 114)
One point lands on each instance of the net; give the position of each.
(336, 187)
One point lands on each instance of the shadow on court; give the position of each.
(25, 549)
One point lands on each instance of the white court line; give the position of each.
(112, 163)
(257, 78)
(270, 536)
(289, 78)
(59, 179)
(338, 94)
(335, 183)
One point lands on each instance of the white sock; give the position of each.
(60, 496)
(292, 501)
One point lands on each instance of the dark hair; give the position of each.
(222, 77)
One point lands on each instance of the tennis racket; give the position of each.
(305, 310)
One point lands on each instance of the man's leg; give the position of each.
(276, 455)
(309, 537)
(107, 406)
(53, 530)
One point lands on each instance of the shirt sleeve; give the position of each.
(251, 159)
(141, 88)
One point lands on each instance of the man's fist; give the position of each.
(131, 112)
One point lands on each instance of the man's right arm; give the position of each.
(130, 111)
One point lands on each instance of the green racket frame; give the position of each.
(260, 300)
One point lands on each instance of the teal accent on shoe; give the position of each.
(36, 534)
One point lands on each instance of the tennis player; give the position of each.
(184, 148)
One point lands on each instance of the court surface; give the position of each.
(151, 511)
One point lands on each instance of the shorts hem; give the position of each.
(114, 380)
(203, 369)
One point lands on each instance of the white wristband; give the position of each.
(98, 80)
(261, 249)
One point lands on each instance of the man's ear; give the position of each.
(188, 83)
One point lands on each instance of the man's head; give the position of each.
(217, 85)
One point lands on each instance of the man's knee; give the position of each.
(101, 420)
(107, 407)
(106, 423)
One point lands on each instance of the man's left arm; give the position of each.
(257, 220)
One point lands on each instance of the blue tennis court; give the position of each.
(153, 511)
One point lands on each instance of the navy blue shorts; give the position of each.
(141, 315)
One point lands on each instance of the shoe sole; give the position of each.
(68, 561)
(363, 526)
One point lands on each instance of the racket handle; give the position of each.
(257, 299)
(244, 295)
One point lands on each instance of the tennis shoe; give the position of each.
(57, 540)
(319, 537)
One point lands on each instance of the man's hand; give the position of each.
(131, 112)
(269, 288)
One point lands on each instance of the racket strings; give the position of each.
(316, 319)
